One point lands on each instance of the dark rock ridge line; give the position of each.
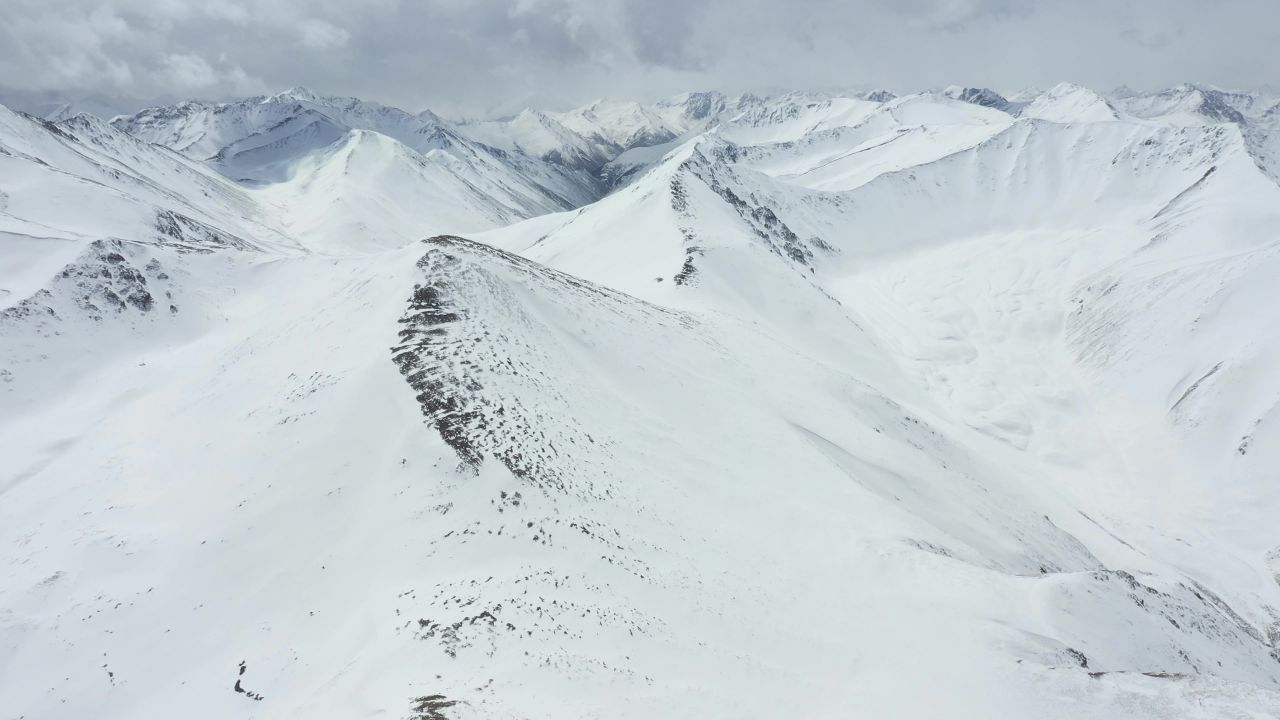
(477, 361)
(767, 227)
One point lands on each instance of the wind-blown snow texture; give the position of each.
(813, 405)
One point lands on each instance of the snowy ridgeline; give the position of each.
(942, 405)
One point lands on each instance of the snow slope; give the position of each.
(902, 133)
(896, 407)
(67, 184)
(368, 191)
(791, 116)
(617, 125)
(1026, 345)
(539, 135)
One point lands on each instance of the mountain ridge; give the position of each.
(801, 404)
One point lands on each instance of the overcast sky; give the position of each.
(476, 56)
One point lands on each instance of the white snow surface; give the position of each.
(810, 405)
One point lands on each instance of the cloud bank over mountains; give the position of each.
(480, 57)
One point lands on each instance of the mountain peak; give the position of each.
(301, 92)
(1067, 102)
(879, 95)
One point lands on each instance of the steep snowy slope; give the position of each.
(613, 139)
(1027, 345)
(693, 111)
(264, 139)
(82, 180)
(202, 130)
(620, 126)
(345, 175)
(986, 97)
(556, 540)
(1187, 105)
(538, 135)
(273, 153)
(904, 132)
(1256, 113)
(1196, 104)
(834, 142)
(633, 163)
(789, 117)
(368, 191)
(617, 125)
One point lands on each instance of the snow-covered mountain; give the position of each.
(946, 403)
(539, 135)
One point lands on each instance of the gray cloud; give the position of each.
(662, 32)
(956, 15)
(485, 55)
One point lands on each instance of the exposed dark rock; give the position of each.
(764, 222)
(452, 342)
(430, 707)
(183, 233)
(984, 97)
(108, 278)
(688, 270)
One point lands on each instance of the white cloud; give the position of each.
(190, 72)
(320, 34)
(488, 54)
(240, 82)
(229, 11)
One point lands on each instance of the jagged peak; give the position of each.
(533, 115)
(985, 97)
(697, 105)
(879, 95)
(301, 92)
